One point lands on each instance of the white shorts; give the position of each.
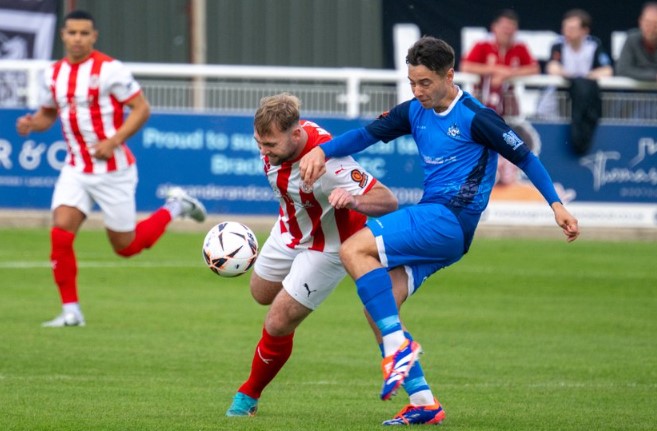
(114, 192)
(309, 276)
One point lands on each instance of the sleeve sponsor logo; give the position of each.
(512, 139)
(359, 177)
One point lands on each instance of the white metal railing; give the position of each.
(199, 79)
(350, 92)
(623, 99)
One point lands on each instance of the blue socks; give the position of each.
(375, 292)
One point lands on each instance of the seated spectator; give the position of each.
(638, 58)
(497, 60)
(579, 57)
(577, 54)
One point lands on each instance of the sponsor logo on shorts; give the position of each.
(308, 289)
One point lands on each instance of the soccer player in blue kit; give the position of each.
(459, 140)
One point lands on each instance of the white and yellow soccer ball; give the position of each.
(230, 249)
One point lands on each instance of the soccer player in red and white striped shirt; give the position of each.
(88, 91)
(299, 266)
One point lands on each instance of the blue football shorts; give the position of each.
(424, 237)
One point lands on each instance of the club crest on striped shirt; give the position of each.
(306, 188)
(94, 82)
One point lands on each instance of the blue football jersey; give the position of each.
(458, 148)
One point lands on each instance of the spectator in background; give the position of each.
(638, 58)
(577, 54)
(580, 58)
(498, 60)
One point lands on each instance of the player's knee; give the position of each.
(126, 252)
(350, 253)
(262, 296)
(124, 244)
(280, 323)
(347, 250)
(276, 328)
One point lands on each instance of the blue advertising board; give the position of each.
(621, 165)
(215, 158)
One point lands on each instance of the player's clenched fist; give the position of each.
(341, 198)
(24, 125)
(312, 166)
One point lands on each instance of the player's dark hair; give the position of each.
(80, 14)
(433, 53)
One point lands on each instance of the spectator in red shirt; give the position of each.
(497, 60)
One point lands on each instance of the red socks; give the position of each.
(270, 356)
(64, 265)
(62, 256)
(147, 232)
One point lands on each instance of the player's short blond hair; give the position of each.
(280, 110)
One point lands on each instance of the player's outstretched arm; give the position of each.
(566, 221)
(541, 179)
(312, 166)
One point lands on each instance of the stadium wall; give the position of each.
(315, 33)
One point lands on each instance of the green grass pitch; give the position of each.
(519, 335)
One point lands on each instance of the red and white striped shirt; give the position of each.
(89, 97)
(306, 218)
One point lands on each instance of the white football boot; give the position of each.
(67, 318)
(190, 206)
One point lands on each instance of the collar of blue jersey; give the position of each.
(451, 105)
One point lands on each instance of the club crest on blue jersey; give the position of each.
(453, 131)
(512, 139)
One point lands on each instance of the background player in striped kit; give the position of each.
(88, 91)
(298, 266)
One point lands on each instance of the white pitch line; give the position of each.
(91, 264)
